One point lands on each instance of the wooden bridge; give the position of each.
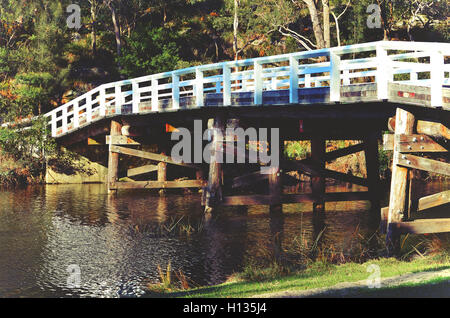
(342, 93)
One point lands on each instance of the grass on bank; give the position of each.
(419, 253)
(317, 275)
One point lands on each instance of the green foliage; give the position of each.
(159, 43)
(297, 149)
(43, 62)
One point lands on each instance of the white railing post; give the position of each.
(136, 96)
(102, 102)
(76, 115)
(274, 83)
(383, 71)
(155, 100)
(199, 88)
(258, 78)
(64, 119)
(346, 77)
(226, 78)
(436, 78)
(54, 123)
(307, 81)
(175, 91)
(244, 84)
(293, 80)
(413, 76)
(335, 77)
(118, 99)
(88, 111)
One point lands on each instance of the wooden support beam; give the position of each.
(345, 177)
(141, 170)
(433, 200)
(150, 156)
(424, 203)
(305, 166)
(308, 167)
(397, 201)
(113, 160)
(332, 155)
(433, 129)
(160, 184)
(261, 199)
(422, 226)
(429, 128)
(412, 143)
(249, 179)
(121, 140)
(416, 162)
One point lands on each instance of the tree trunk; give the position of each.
(384, 21)
(235, 29)
(93, 32)
(115, 21)
(326, 23)
(316, 23)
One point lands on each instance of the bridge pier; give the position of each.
(318, 146)
(398, 217)
(113, 159)
(371, 156)
(213, 193)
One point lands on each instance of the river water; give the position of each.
(49, 232)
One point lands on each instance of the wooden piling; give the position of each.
(373, 175)
(162, 166)
(318, 181)
(398, 205)
(213, 195)
(275, 184)
(113, 159)
(275, 191)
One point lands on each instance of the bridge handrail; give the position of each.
(331, 68)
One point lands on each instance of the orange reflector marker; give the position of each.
(170, 128)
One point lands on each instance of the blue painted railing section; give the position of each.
(332, 68)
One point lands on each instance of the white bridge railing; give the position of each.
(414, 63)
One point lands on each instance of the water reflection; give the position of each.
(118, 241)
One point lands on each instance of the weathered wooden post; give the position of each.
(213, 195)
(318, 181)
(275, 191)
(113, 159)
(275, 184)
(373, 175)
(404, 124)
(162, 173)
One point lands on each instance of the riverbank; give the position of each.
(322, 280)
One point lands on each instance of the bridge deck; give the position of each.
(397, 72)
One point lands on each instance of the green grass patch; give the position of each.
(315, 275)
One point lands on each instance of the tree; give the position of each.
(113, 7)
(149, 51)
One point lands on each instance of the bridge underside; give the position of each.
(146, 162)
